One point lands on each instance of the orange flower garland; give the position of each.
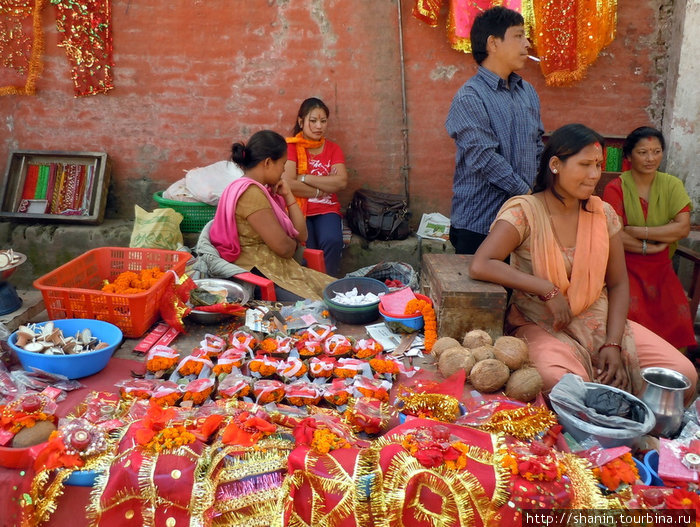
(15, 420)
(429, 321)
(159, 363)
(431, 453)
(131, 283)
(324, 441)
(618, 471)
(171, 438)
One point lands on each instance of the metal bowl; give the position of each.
(236, 293)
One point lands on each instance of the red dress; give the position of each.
(657, 298)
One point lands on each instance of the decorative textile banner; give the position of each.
(567, 34)
(86, 35)
(21, 46)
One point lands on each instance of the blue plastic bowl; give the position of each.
(404, 323)
(644, 474)
(354, 314)
(73, 366)
(651, 462)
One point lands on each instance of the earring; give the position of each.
(555, 171)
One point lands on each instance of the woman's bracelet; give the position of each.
(611, 345)
(644, 247)
(292, 203)
(547, 297)
(646, 232)
(318, 192)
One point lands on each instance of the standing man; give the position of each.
(495, 122)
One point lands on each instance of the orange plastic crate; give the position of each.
(73, 290)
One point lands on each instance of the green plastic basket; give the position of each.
(195, 215)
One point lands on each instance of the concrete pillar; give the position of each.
(681, 120)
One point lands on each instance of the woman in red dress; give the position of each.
(655, 211)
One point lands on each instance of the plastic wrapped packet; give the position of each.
(235, 386)
(99, 407)
(366, 348)
(337, 346)
(198, 391)
(229, 359)
(372, 388)
(161, 358)
(292, 368)
(193, 365)
(321, 367)
(308, 348)
(278, 344)
(268, 391)
(263, 366)
(167, 393)
(367, 415)
(318, 332)
(302, 393)
(347, 368)
(244, 339)
(137, 388)
(337, 392)
(212, 345)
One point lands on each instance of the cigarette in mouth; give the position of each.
(532, 57)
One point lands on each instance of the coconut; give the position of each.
(524, 385)
(442, 344)
(483, 352)
(512, 351)
(33, 435)
(454, 359)
(476, 338)
(489, 375)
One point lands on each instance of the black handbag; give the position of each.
(378, 215)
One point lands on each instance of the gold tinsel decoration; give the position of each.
(432, 405)
(523, 423)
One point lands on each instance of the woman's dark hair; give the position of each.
(564, 143)
(259, 147)
(637, 135)
(305, 109)
(494, 21)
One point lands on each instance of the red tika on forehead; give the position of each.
(597, 144)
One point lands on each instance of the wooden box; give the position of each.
(461, 304)
(55, 186)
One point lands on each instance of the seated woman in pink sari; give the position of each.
(567, 270)
(258, 223)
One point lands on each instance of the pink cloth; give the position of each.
(553, 358)
(224, 231)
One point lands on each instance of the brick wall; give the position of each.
(192, 77)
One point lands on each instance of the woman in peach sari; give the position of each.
(567, 270)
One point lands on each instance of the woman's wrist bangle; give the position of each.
(318, 192)
(646, 232)
(644, 247)
(547, 297)
(611, 345)
(290, 204)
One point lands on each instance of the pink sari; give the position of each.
(224, 231)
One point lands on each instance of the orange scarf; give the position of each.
(590, 258)
(303, 159)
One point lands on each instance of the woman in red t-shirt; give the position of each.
(315, 171)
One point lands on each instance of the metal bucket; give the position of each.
(663, 392)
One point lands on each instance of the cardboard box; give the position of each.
(55, 186)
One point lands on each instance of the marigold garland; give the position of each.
(15, 420)
(159, 363)
(131, 283)
(429, 321)
(171, 438)
(324, 441)
(618, 471)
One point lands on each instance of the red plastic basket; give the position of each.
(73, 290)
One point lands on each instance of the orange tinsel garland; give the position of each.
(429, 321)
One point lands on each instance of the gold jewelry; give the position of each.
(611, 345)
(547, 297)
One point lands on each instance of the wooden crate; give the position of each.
(70, 181)
(461, 304)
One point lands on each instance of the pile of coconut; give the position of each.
(490, 365)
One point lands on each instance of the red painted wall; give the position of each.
(191, 78)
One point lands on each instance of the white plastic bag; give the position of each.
(206, 184)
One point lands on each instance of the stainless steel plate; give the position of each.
(236, 293)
